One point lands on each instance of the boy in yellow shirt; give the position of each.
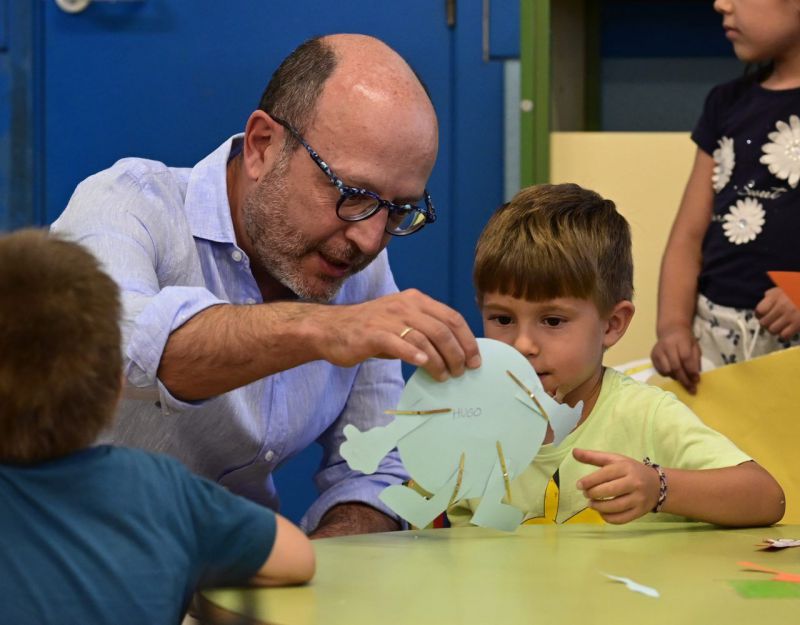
(554, 278)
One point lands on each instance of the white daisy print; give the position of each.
(782, 155)
(725, 160)
(744, 221)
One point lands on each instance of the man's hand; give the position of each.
(778, 315)
(409, 325)
(353, 518)
(677, 355)
(225, 347)
(622, 490)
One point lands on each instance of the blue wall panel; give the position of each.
(477, 154)
(20, 153)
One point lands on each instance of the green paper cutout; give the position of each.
(765, 589)
(486, 407)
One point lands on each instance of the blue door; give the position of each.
(171, 79)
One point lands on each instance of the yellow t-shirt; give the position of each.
(629, 418)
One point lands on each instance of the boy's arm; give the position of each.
(742, 496)
(676, 352)
(291, 560)
(624, 489)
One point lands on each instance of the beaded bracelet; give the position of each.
(662, 484)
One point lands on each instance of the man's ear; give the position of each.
(617, 322)
(263, 142)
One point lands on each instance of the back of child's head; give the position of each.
(554, 241)
(60, 353)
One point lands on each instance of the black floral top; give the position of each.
(753, 134)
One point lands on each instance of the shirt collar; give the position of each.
(206, 204)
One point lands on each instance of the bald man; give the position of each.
(260, 313)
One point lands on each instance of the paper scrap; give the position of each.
(635, 586)
(765, 589)
(779, 576)
(778, 543)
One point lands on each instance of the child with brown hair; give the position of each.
(738, 214)
(102, 534)
(554, 278)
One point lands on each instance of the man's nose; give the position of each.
(369, 235)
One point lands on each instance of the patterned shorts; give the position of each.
(727, 335)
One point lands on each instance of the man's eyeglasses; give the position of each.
(355, 204)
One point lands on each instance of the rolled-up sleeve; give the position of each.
(150, 330)
(136, 227)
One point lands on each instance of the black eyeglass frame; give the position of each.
(428, 212)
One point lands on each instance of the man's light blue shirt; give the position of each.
(166, 236)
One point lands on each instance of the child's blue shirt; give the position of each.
(115, 535)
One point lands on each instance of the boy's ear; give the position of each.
(617, 322)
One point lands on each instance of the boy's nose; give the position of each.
(526, 346)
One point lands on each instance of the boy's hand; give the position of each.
(622, 489)
(777, 314)
(677, 355)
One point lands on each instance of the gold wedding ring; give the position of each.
(405, 331)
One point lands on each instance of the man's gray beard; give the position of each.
(279, 248)
(304, 294)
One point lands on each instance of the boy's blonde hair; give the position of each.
(556, 241)
(60, 352)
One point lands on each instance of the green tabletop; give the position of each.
(539, 574)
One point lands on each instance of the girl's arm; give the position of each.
(624, 489)
(676, 352)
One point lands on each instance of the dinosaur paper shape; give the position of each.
(465, 437)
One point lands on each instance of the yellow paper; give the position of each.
(757, 405)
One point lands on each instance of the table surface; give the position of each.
(538, 574)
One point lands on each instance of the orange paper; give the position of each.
(780, 576)
(789, 282)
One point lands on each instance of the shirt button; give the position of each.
(269, 455)
(237, 256)
(249, 300)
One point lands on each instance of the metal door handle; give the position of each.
(450, 11)
(76, 6)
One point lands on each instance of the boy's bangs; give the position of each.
(536, 276)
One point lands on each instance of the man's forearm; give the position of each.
(353, 518)
(226, 347)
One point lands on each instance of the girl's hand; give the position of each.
(778, 315)
(677, 355)
(622, 489)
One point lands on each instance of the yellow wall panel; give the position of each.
(644, 174)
